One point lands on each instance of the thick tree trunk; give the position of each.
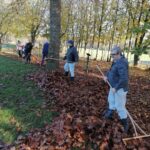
(55, 32)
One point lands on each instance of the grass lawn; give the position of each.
(20, 100)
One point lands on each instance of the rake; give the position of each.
(134, 124)
(50, 58)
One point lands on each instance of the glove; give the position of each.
(105, 78)
(113, 90)
(64, 58)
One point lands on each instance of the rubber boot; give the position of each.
(108, 114)
(66, 73)
(125, 124)
(71, 78)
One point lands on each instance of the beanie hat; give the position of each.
(70, 42)
(116, 50)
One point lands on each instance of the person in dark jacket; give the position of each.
(28, 49)
(118, 79)
(45, 51)
(71, 58)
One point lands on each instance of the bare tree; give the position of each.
(100, 26)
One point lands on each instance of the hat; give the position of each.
(116, 50)
(70, 42)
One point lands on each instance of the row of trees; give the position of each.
(91, 23)
(99, 23)
(23, 18)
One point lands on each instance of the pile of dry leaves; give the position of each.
(81, 104)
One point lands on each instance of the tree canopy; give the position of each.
(91, 23)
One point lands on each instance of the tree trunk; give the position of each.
(88, 30)
(100, 27)
(108, 54)
(55, 32)
(129, 46)
(136, 59)
(95, 20)
(0, 44)
(33, 35)
(113, 31)
(94, 28)
(103, 43)
(127, 32)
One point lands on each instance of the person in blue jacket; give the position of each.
(45, 51)
(71, 58)
(118, 79)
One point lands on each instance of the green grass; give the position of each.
(20, 100)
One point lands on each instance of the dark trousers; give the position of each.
(43, 57)
(20, 53)
(28, 58)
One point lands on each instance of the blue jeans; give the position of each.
(117, 101)
(69, 67)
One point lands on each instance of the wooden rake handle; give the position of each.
(54, 59)
(133, 138)
(103, 75)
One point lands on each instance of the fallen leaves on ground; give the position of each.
(81, 105)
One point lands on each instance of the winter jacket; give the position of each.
(72, 55)
(45, 48)
(118, 74)
(28, 48)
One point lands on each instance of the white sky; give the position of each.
(7, 1)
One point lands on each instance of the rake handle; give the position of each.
(54, 59)
(103, 75)
(136, 137)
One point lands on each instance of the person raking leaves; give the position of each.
(45, 51)
(71, 58)
(28, 49)
(118, 79)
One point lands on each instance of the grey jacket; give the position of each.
(118, 74)
(72, 55)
